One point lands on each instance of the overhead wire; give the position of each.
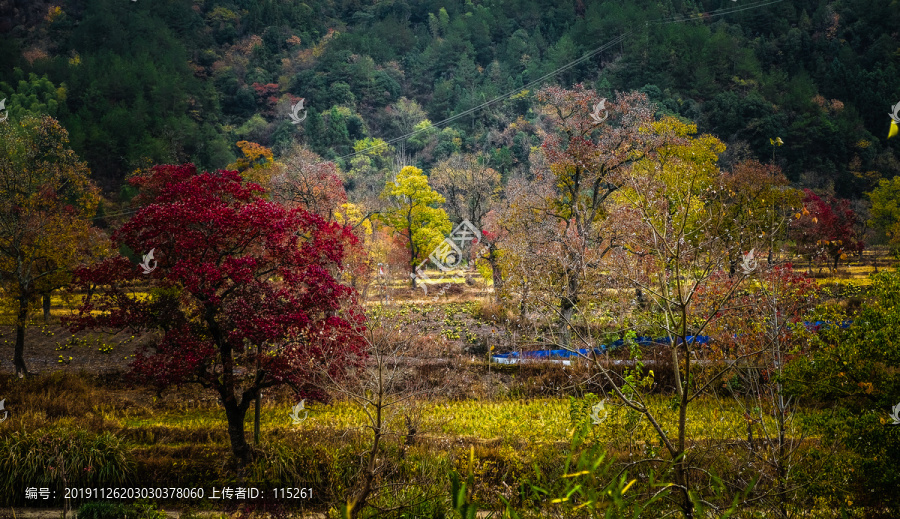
(584, 57)
(611, 43)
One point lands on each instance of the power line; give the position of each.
(611, 43)
(499, 98)
(585, 57)
(714, 14)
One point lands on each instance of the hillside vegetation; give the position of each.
(142, 83)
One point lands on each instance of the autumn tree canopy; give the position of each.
(47, 202)
(885, 212)
(304, 179)
(825, 229)
(589, 143)
(244, 293)
(413, 216)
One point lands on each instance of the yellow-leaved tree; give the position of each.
(256, 164)
(414, 215)
(47, 202)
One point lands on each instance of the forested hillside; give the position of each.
(521, 258)
(143, 82)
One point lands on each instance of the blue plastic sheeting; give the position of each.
(508, 358)
(505, 358)
(818, 325)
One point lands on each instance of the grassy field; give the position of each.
(181, 438)
(522, 424)
(506, 421)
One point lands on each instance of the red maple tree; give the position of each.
(825, 230)
(244, 295)
(266, 94)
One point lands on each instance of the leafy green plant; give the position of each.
(461, 491)
(580, 410)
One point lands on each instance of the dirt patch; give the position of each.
(48, 348)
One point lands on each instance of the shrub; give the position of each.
(52, 458)
(855, 370)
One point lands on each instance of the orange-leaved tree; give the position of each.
(47, 202)
(257, 163)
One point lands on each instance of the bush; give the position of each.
(49, 458)
(854, 369)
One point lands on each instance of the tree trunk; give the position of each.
(45, 300)
(21, 321)
(782, 474)
(641, 300)
(235, 414)
(567, 307)
(682, 477)
(566, 311)
(358, 502)
(523, 307)
(687, 506)
(496, 273)
(412, 262)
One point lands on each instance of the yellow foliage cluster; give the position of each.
(47, 202)
(256, 164)
(53, 12)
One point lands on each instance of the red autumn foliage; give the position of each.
(245, 296)
(827, 231)
(266, 94)
(760, 315)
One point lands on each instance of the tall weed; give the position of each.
(58, 458)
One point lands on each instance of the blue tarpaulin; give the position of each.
(507, 358)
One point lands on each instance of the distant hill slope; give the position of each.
(143, 82)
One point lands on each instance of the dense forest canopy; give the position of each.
(138, 83)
